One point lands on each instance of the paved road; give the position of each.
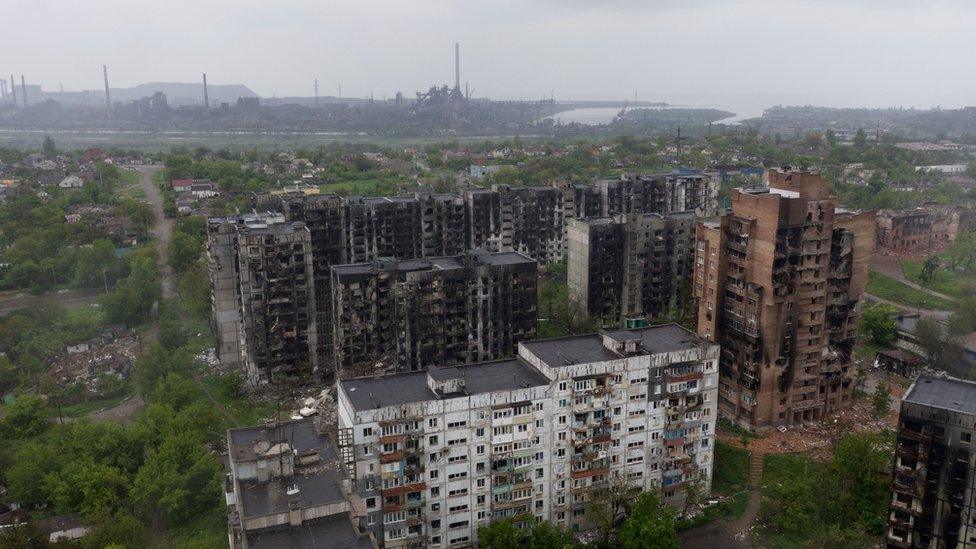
(13, 301)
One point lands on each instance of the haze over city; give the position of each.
(742, 55)
(520, 274)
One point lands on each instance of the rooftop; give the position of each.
(370, 393)
(330, 531)
(317, 484)
(431, 263)
(582, 349)
(946, 393)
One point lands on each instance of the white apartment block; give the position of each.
(439, 453)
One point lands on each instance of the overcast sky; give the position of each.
(724, 52)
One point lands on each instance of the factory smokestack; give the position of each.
(23, 89)
(13, 90)
(457, 66)
(206, 98)
(108, 98)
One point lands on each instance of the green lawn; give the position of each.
(89, 406)
(888, 288)
(730, 479)
(731, 471)
(944, 281)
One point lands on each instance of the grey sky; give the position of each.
(831, 52)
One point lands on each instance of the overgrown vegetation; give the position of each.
(841, 503)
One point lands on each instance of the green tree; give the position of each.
(24, 418)
(878, 325)
(50, 150)
(929, 267)
(180, 480)
(183, 251)
(937, 346)
(857, 481)
(650, 525)
(134, 297)
(500, 534)
(881, 400)
(860, 139)
(962, 251)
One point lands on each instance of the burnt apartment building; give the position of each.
(677, 191)
(778, 281)
(922, 231)
(263, 297)
(402, 315)
(629, 269)
(934, 473)
(337, 231)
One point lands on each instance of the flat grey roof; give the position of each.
(946, 393)
(370, 393)
(582, 349)
(430, 263)
(331, 531)
(317, 483)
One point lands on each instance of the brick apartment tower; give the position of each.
(778, 279)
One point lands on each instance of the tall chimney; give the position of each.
(206, 99)
(316, 93)
(457, 66)
(23, 89)
(3, 89)
(13, 90)
(108, 98)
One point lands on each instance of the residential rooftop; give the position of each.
(431, 263)
(317, 484)
(331, 531)
(946, 393)
(582, 349)
(370, 393)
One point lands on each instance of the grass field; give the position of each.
(87, 407)
(944, 281)
(365, 187)
(888, 288)
(731, 469)
(129, 187)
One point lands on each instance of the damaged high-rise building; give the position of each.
(263, 295)
(778, 281)
(333, 231)
(631, 268)
(933, 474)
(402, 315)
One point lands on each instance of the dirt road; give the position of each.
(163, 229)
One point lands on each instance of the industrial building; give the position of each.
(436, 454)
(629, 269)
(778, 282)
(402, 315)
(286, 486)
(933, 473)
